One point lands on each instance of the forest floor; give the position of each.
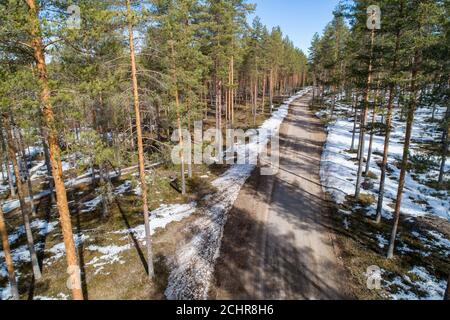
(111, 248)
(285, 224)
(421, 265)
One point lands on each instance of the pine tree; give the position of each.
(424, 16)
(137, 111)
(362, 138)
(37, 47)
(397, 10)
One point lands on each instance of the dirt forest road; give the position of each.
(277, 243)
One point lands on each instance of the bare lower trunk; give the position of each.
(137, 111)
(401, 183)
(8, 258)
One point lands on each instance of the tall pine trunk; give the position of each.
(387, 137)
(362, 138)
(232, 92)
(137, 112)
(271, 90)
(8, 258)
(404, 165)
(54, 152)
(178, 111)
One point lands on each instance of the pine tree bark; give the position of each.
(8, 258)
(54, 152)
(21, 194)
(404, 165)
(137, 111)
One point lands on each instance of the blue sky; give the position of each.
(299, 19)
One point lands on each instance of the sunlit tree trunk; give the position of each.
(137, 112)
(54, 151)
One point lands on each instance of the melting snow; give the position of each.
(194, 261)
(338, 168)
(429, 287)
